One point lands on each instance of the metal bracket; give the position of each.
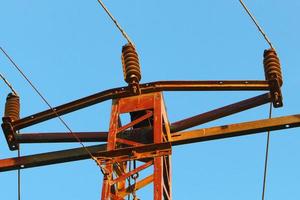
(9, 133)
(276, 93)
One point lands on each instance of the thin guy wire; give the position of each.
(266, 157)
(256, 24)
(53, 110)
(19, 175)
(8, 84)
(116, 23)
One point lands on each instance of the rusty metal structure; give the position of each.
(147, 140)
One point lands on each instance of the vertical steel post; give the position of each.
(117, 172)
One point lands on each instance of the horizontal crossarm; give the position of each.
(61, 137)
(49, 158)
(99, 151)
(234, 130)
(179, 138)
(159, 86)
(175, 127)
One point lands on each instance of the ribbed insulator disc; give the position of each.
(272, 66)
(131, 65)
(12, 107)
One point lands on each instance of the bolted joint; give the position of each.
(9, 133)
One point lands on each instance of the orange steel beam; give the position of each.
(49, 158)
(128, 174)
(174, 127)
(234, 130)
(60, 137)
(220, 112)
(244, 85)
(140, 184)
(99, 151)
(131, 124)
(179, 138)
(151, 107)
(134, 153)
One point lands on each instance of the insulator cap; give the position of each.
(12, 107)
(272, 66)
(131, 65)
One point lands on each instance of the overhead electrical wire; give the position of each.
(270, 110)
(130, 42)
(8, 84)
(19, 151)
(49, 105)
(19, 175)
(266, 157)
(44, 99)
(116, 22)
(256, 24)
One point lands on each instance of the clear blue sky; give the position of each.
(71, 49)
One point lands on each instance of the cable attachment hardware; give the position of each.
(131, 67)
(273, 75)
(11, 114)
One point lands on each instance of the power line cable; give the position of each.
(48, 104)
(8, 84)
(19, 175)
(256, 24)
(266, 157)
(19, 151)
(270, 110)
(116, 22)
